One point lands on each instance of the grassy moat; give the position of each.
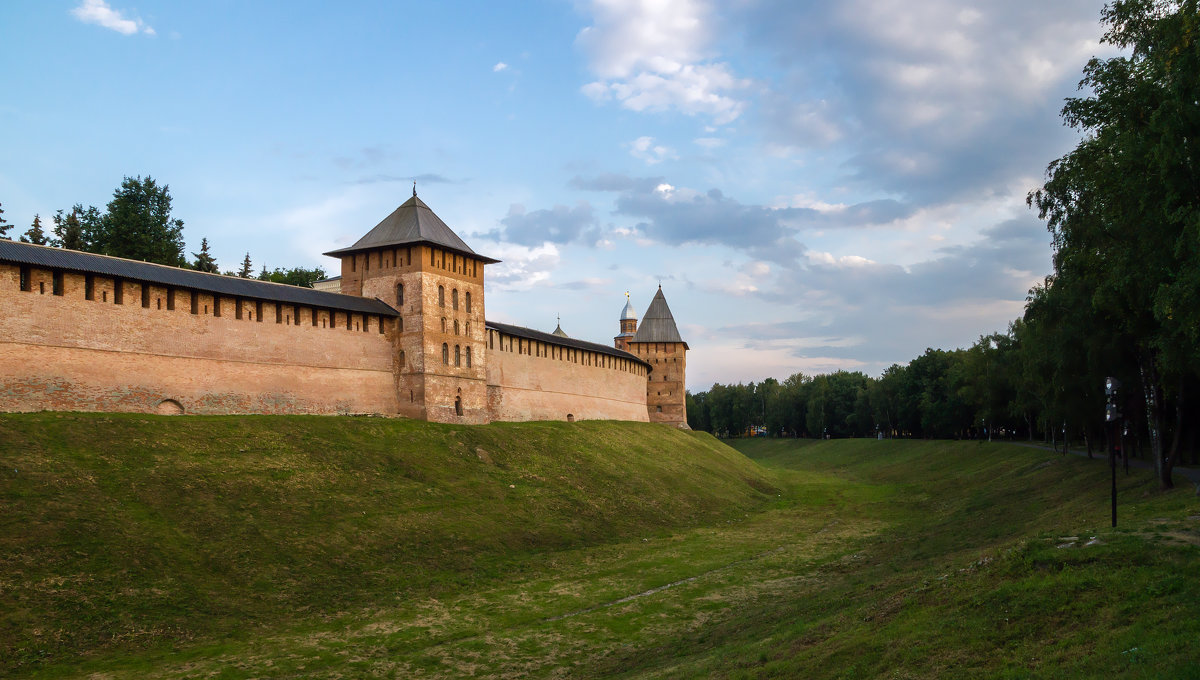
(234, 547)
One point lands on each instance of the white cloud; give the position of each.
(521, 267)
(655, 56)
(98, 12)
(500, 66)
(644, 149)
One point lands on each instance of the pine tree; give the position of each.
(204, 259)
(4, 225)
(246, 269)
(35, 235)
(138, 224)
(68, 231)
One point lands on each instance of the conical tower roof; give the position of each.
(411, 224)
(659, 324)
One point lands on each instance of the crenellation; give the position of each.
(105, 342)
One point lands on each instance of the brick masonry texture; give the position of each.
(150, 348)
(68, 353)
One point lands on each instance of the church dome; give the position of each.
(628, 314)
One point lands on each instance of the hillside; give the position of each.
(141, 547)
(131, 534)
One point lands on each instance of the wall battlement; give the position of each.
(406, 336)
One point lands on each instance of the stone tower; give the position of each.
(658, 342)
(628, 326)
(418, 265)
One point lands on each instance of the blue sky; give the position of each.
(816, 185)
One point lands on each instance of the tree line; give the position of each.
(1123, 300)
(137, 224)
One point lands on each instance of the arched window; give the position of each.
(457, 355)
(399, 294)
(458, 405)
(441, 296)
(443, 324)
(445, 353)
(468, 357)
(468, 301)
(467, 328)
(403, 366)
(454, 299)
(456, 326)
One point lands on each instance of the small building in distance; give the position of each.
(401, 331)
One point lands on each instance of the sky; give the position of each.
(816, 186)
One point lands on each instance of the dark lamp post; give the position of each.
(1112, 416)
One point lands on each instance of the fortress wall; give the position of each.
(531, 380)
(65, 352)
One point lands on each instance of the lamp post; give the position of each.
(1112, 416)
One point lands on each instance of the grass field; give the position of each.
(230, 547)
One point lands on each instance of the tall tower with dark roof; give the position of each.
(657, 341)
(418, 265)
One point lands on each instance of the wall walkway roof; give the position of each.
(148, 272)
(551, 339)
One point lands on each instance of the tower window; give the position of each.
(25, 278)
(454, 299)
(216, 305)
(399, 294)
(57, 282)
(170, 299)
(441, 296)
(445, 354)
(468, 302)
(456, 326)
(468, 357)
(457, 355)
(89, 287)
(118, 292)
(195, 302)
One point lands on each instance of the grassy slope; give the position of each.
(876, 559)
(127, 536)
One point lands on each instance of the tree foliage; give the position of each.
(247, 268)
(204, 261)
(295, 276)
(138, 224)
(34, 234)
(1123, 212)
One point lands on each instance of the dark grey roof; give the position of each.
(551, 339)
(658, 325)
(410, 224)
(560, 332)
(90, 263)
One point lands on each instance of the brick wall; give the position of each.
(530, 380)
(65, 352)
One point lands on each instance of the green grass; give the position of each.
(231, 547)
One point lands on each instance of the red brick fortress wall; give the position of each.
(531, 380)
(151, 353)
